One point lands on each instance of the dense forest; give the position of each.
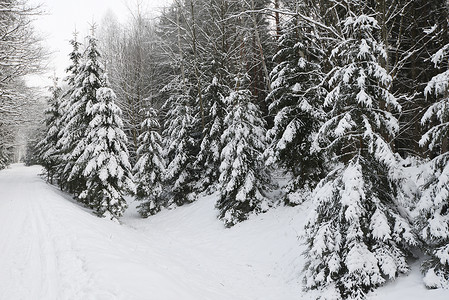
(337, 97)
(21, 53)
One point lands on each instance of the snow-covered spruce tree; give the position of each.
(180, 144)
(208, 160)
(243, 177)
(48, 151)
(296, 97)
(88, 79)
(357, 237)
(433, 221)
(104, 159)
(150, 166)
(66, 140)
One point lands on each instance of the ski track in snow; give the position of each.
(52, 248)
(39, 259)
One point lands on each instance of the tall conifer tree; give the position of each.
(433, 220)
(208, 159)
(297, 95)
(180, 144)
(357, 236)
(48, 151)
(88, 79)
(150, 167)
(243, 178)
(104, 160)
(66, 139)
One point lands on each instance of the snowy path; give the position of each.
(51, 248)
(39, 235)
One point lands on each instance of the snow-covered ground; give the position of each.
(51, 248)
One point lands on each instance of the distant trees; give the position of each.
(202, 50)
(6, 139)
(134, 67)
(20, 51)
(20, 54)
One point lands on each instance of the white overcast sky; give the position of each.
(63, 16)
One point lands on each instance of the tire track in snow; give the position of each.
(74, 280)
(64, 273)
(16, 236)
(50, 277)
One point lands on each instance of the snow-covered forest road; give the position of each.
(51, 248)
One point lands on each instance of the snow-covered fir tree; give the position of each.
(433, 221)
(150, 167)
(208, 160)
(75, 57)
(104, 160)
(243, 178)
(296, 97)
(48, 151)
(66, 140)
(88, 79)
(180, 144)
(357, 236)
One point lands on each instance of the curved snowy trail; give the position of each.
(51, 248)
